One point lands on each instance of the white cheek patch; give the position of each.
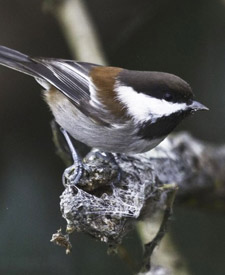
(143, 107)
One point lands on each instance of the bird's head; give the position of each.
(156, 101)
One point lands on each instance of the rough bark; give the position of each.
(107, 206)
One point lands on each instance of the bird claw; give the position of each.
(73, 173)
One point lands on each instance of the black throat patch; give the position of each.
(162, 126)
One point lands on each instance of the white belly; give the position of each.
(121, 139)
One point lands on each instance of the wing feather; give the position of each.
(72, 78)
(68, 76)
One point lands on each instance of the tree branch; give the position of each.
(108, 209)
(79, 30)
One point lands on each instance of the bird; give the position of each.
(109, 108)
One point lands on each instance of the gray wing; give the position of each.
(70, 77)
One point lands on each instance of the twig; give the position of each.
(79, 31)
(149, 247)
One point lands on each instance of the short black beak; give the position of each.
(197, 106)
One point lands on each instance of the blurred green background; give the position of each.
(184, 37)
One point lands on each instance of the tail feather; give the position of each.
(69, 77)
(7, 53)
(20, 62)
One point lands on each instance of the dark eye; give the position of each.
(168, 96)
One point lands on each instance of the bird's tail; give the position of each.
(21, 62)
(62, 74)
(15, 60)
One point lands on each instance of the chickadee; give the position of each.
(109, 108)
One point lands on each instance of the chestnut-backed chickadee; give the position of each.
(112, 109)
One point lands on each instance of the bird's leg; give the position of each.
(60, 144)
(73, 173)
(68, 153)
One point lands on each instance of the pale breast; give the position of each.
(119, 138)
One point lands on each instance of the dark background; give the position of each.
(185, 37)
